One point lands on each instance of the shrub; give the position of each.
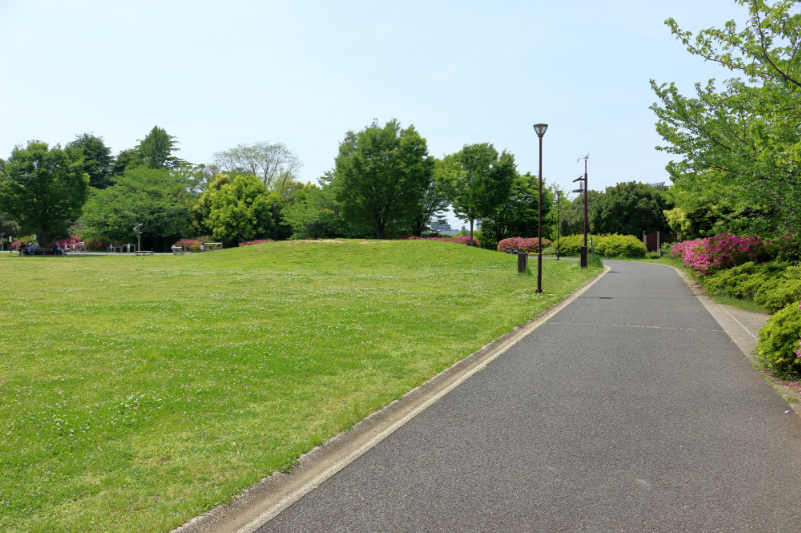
(257, 241)
(619, 246)
(706, 256)
(531, 245)
(779, 341)
(193, 245)
(652, 255)
(98, 244)
(779, 291)
(594, 260)
(667, 249)
(549, 251)
(571, 245)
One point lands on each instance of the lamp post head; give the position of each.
(539, 129)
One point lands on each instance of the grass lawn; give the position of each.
(137, 392)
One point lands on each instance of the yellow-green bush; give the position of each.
(778, 341)
(605, 245)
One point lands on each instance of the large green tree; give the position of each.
(98, 162)
(159, 199)
(241, 211)
(740, 147)
(381, 175)
(43, 188)
(629, 209)
(518, 216)
(572, 218)
(157, 150)
(477, 180)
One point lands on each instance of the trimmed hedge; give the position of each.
(614, 245)
(779, 341)
(774, 286)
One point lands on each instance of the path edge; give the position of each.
(262, 502)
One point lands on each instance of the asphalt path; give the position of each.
(631, 410)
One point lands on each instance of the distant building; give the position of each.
(440, 227)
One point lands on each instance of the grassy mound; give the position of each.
(138, 392)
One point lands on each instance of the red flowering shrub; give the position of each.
(530, 245)
(458, 240)
(257, 241)
(193, 245)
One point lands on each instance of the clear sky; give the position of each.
(216, 74)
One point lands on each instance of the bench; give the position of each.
(211, 246)
(179, 250)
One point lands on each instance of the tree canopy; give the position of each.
(518, 216)
(98, 162)
(274, 164)
(740, 147)
(157, 149)
(477, 180)
(381, 174)
(241, 210)
(629, 209)
(44, 188)
(159, 199)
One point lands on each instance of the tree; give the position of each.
(740, 147)
(556, 212)
(572, 218)
(159, 199)
(518, 216)
(98, 162)
(477, 181)
(157, 148)
(274, 164)
(381, 174)
(432, 203)
(126, 159)
(629, 209)
(316, 213)
(241, 211)
(44, 188)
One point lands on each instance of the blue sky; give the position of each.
(216, 74)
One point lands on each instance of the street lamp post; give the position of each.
(558, 208)
(540, 129)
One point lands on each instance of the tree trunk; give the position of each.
(470, 242)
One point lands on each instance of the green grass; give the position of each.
(137, 392)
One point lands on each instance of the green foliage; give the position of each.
(594, 261)
(618, 246)
(202, 209)
(157, 148)
(739, 146)
(477, 180)
(98, 162)
(126, 159)
(240, 211)
(773, 285)
(518, 216)
(629, 209)
(43, 189)
(550, 250)
(572, 218)
(432, 203)
(158, 199)
(604, 245)
(381, 175)
(778, 341)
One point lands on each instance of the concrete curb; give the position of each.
(265, 500)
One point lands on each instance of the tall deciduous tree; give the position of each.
(275, 165)
(381, 175)
(156, 150)
(241, 210)
(98, 162)
(629, 209)
(740, 146)
(518, 216)
(477, 180)
(159, 199)
(44, 188)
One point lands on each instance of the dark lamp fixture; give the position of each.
(539, 129)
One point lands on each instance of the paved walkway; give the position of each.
(629, 411)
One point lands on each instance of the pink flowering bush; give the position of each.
(192, 245)
(705, 256)
(257, 241)
(530, 245)
(458, 240)
(786, 248)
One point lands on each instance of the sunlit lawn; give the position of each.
(137, 392)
